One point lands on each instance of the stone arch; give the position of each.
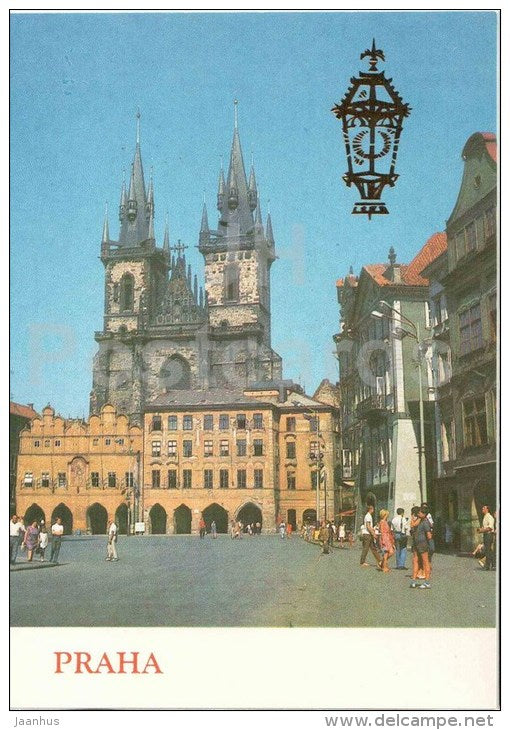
(158, 518)
(127, 293)
(122, 518)
(309, 516)
(97, 518)
(65, 514)
(34, 512)
(249, 512)
(217, 513)
(182, 520)
(175, 374)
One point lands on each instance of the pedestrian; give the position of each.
(386, 540)
(43, 542)
(341, 534)
(400, 526)
(201, 527)
(14, 538)
(31, 539)
(258, 528)
(281, 529)
(57, 530)
(332, 533)
(368, 539)
(324, 533)
(213, 529)
(111, 547)
(240, 528)
(288, 529)
(487, 530)
(422, 537)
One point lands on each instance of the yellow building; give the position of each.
(82, 471)
(249, 456)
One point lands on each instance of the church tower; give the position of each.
(238, 257)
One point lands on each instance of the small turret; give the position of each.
(204, 227)
(132, 206)
(269, 230)
(221, 190)
(252, 190)
(233, 191)
(149, 206)
(123, 202)
(105, 240)
(166, 239)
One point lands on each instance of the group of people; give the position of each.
(386, 539)
(237, 529)
(310, 532)
(34, 539)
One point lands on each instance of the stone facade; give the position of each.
(81, 471)
(228, 458)
(161, 331)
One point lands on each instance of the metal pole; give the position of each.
(325, 496)
(423, 474)
(318, 482)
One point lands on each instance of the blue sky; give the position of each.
(76, 82)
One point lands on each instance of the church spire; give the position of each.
(234, 203)
(259, 226)
(252, 189)
(106, 231)
(269, 230)
(136, 211)
(166, 238)
(123, 201)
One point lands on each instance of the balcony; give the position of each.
(375, 405)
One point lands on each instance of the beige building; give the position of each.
(81, 471)
(249, 456)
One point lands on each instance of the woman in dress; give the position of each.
(386, 540)
(31, 539)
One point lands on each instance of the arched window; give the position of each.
(231, 283)
(127, 290)
(175, 374)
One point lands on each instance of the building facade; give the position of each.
(19, 416)
(81, 471)
(161, 332)
(260, 455)
(464, 310)
(383, 316)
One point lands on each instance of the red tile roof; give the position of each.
(491, 144)
(411, 273)
(16, 409)
(339, 282)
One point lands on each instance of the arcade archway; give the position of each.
(309, 517)
(249, 513)
(157, 516)
(182, 520)
(218, 514)
(34, 512)
(121, 519)
(65, 515)
(97, 518)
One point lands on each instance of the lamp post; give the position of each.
(318, 457)
(415, 334)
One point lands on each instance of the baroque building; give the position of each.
(380, 381)
(464, 304)
(161, 332)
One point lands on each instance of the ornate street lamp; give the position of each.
(372, 113)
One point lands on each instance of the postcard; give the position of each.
(254, 393)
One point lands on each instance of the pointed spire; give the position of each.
(258, 217)
(138, 115)
(123, 198)
(269, 229)
(236, 102)
(221, 189)
(151, 226)
(106, 231)
(201, 298)
(189, 275)
(204, 226)
(195, 289)
(252, 189)
(149, 207)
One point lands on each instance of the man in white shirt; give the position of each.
(111, 548)
(487, 530)
(367, 539)
(15, 530)
(400, 529)
(57, 530)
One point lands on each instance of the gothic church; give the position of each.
(161, 332)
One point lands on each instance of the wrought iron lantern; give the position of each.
(372, 113)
